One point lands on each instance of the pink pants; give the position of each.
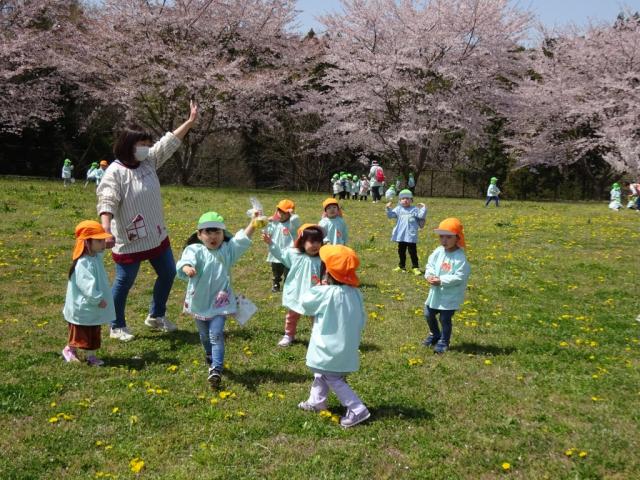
(291, 322)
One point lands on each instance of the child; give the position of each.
(206, 263)
(282, 227)
(336, 185)
(333, 223)
(333, 348)
(99, 173)
(344, 188)
(615, 196)
(91, 173)
(411, 183)
(364, 188)
(89, 302)
(398, 183)
(447, 273)
(304, 272)
(67, 168)
(492, 192)
(405, 232)
(355, 187)
(390, 194)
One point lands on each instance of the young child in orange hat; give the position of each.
(282, 229)
(89, 302)
(303, 263)
(447, 272)
(337, 327)
(333, 223)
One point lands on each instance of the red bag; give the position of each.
(379, 175)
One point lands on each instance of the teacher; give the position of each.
(130, 208)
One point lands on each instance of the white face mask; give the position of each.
(141, 153)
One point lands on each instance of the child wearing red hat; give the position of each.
(303, 263)
(447, 272)
(337, 327)
(282, 229)
(89, 302)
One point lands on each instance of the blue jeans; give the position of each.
(165, 267)
(446, 317)
(497, 200)
(212, 338)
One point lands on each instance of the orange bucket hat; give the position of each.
(301, 230)
(330, 201)
(286, 205)
(86, 230)
(341, 263)
(451, 226)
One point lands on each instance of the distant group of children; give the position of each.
(312, 266)
(633, 196)
(345, 186)
(94, 173)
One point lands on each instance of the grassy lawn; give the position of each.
(542, 379)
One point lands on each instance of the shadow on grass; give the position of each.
(369, 347)
(139, 362)
(477, 349)
(253, 378)
(400, 412)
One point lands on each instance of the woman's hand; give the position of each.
(189, 271)
(182, 130)
(193, 114)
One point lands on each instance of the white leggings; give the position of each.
(323, 382)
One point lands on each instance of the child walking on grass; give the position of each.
(333, 223)
(447, 272)
(303, 263)
(493, 192)
(339, 319)
(409, 219)
(206, 263)
(89, 302)
(282, 229)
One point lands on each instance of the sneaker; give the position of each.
(122, 334)
(94, 361)
(214, 378)
(69, 354)
(310, 407)
(416, 271)
(399, 269)
(285, 341)
(430, 340)
(441, 347)
(638, 318)
(160, 323)
(275, 288)
(351, 419)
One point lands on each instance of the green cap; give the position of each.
(94, 165)
(67, 161)
(406, 193)
(211, 220)
(615, 186)
(494, 180)
(355, 177)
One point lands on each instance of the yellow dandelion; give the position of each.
(225, 394)
(133, 419)
(506, 466)
(325, 414)
(115, 410)
(488, 362)
(241, 414)
(172, 368)
(564, 344)
(213, 401)
(136, 465)
(582, 454)
(414, 361)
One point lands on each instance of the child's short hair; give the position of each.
(313, 233)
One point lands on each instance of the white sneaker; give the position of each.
(160, 323)
(310, 407)
(285, 341)
(122, 334)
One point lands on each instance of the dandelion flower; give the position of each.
(172, 368)
(136, 465)
(582, 454)
(506, 466)
(488, 362)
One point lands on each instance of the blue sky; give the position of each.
(550, 12)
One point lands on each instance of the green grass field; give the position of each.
(541, 380)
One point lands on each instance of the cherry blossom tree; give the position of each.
(401, 77)
(582, 97)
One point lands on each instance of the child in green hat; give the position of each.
(492, 192)
(67, 169)
(206, 264)
(91, 173)
(615, 197)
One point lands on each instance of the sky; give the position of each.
(550, 12)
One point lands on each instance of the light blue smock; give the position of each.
(409, 220)
(336, 232)
(86, 288)
(283, 234)
(304, 273)
(209, 291)
(337, 327)
(453, 270)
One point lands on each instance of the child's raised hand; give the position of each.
(102, 304)
(189, 271)
(266, 238)
(389, 205)
(421, 205)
